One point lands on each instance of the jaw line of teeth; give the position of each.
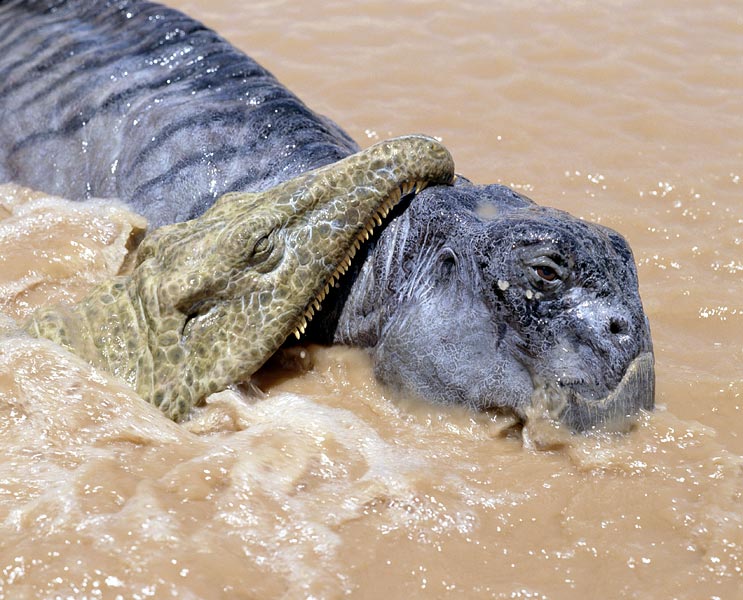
(375, 220)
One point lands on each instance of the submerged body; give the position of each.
(211, 299)
(482, 297)
(135, 101)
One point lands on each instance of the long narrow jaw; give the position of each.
(406, 189)
(211, 299)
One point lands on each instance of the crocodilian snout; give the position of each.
(616, 411)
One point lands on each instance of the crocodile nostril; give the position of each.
(617, 326)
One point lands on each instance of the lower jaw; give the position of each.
(617, 411)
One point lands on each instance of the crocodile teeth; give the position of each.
(382, 212)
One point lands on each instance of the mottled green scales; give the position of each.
(211, 299)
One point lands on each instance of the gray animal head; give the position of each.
(476, 295)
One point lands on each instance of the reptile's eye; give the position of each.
(262, 246)
(546, 273)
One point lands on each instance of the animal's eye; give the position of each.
(262, 245)
(268, 251)
(263, 248)
(546, 273)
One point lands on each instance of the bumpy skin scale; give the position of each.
(135, 101)
(211, 299)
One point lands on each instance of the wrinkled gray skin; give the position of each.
(138, 102)
(451, 304)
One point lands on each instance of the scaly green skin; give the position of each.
(210, 300)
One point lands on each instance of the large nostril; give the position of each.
(617, 326)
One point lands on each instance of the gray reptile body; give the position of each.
(135, 101)
(472, 294)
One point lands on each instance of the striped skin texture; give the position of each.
(211, 299)
(139, 102)
(136, 101)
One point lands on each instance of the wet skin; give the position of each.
(472, 294)
(476, 295)
(211, 299)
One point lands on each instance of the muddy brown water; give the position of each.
(625, 113)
